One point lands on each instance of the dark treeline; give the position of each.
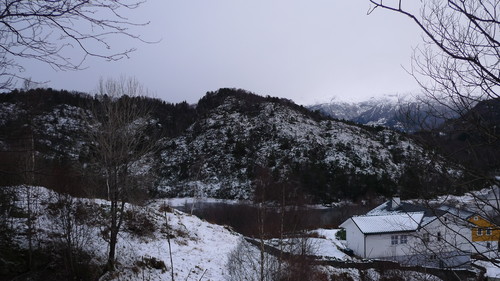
(473, 139)
(250, 103)
(175, 117)
(43, 135)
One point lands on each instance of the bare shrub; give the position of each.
(151, 262)
(246, 263)
(70, 223)
(164, 208)
(341, 277)
(139, 223)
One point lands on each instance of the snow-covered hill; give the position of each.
(232, 144)
(224, 152)
(198, 247)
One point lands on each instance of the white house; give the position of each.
(409, 234)
(484, 235)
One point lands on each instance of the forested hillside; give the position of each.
(232, 144)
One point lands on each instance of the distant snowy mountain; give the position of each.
(389, 111)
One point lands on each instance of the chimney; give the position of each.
(395, 202)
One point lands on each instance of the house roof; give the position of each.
(404, 207)
(402, 217)
(467, 214)
(492, 193)
(458, 212)
(397, 222)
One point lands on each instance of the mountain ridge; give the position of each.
(399, 112)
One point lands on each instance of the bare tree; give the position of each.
(50, 31)
(458, 63)
(291, 260)
(457, 66)
(119, 141)
(279, 250)
(458, 69)
(461, 51)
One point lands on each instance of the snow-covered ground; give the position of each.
(327, 245)
(492, 270)
(200, 250)
(187, 201)
(198, 247)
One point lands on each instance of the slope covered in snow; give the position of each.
(199, 249)
(239, 138)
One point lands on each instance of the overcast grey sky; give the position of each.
(305, 50)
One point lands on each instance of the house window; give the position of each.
(488, 245)
(394, 240)
(479, 231)
(488, 231)
(426, 238)
(403, 239)
(476, 218)
(433, 257)
(439, 236)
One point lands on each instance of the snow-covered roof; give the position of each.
(395, 216)
(492, 193)
(395, 222)
(457, 212)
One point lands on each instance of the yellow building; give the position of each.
(483, 230)
(484, 235)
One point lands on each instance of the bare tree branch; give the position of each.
(48, 30)
(458, 68)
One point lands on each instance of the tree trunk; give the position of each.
(113, 236)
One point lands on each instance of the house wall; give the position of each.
(447, 246)
(354, 238)
(479, 242)
(380, 245)
(443, 243)
(488, 249)
(431, 238)
(484, 225)
(456, 231)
